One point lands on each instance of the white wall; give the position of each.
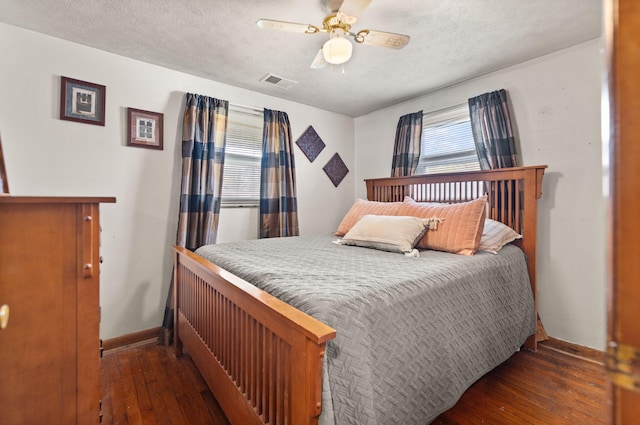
(47, 156)
(556, 104)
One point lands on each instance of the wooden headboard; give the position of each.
(512, 195)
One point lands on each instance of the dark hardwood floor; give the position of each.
(146, 384)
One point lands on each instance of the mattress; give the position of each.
(412, 334)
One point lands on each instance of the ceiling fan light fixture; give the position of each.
(338, 49)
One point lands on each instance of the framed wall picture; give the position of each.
(336, 169)
(82, 101)
(144, 128)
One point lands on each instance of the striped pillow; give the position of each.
(461, 228)
(360, 208)
(496, 235)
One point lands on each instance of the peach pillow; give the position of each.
(461, 228)
(360, 208)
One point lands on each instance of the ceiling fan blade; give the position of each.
(269, 24)
(354, 8)
(319, 61)
(382, 39)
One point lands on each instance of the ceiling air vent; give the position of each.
(281, 82)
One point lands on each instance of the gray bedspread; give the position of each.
(412, 333)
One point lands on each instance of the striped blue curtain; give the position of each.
(406, 151)
(278, 202)
(492, 131)
(204, 129)
(495, 143)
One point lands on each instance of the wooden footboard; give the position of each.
(261, 358)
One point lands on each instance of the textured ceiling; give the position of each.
(451, 41)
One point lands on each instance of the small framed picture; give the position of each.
(82, 101)
(144, 128)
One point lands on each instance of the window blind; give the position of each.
(243, 155)
(447, 142)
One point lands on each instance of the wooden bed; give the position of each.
(261, 357)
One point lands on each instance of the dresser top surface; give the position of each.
(10, 199)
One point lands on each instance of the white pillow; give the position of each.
(387, 233)
(495, 235)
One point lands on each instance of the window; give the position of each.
(243, 156)
(447, 142)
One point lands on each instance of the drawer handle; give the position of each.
(4, 316)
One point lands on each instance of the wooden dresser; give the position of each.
(49, 289)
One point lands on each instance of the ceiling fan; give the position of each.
(338, 49)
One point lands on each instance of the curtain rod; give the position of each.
(252, 108)
(447, 109)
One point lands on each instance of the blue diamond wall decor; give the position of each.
(310, 144)
(335, 169)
